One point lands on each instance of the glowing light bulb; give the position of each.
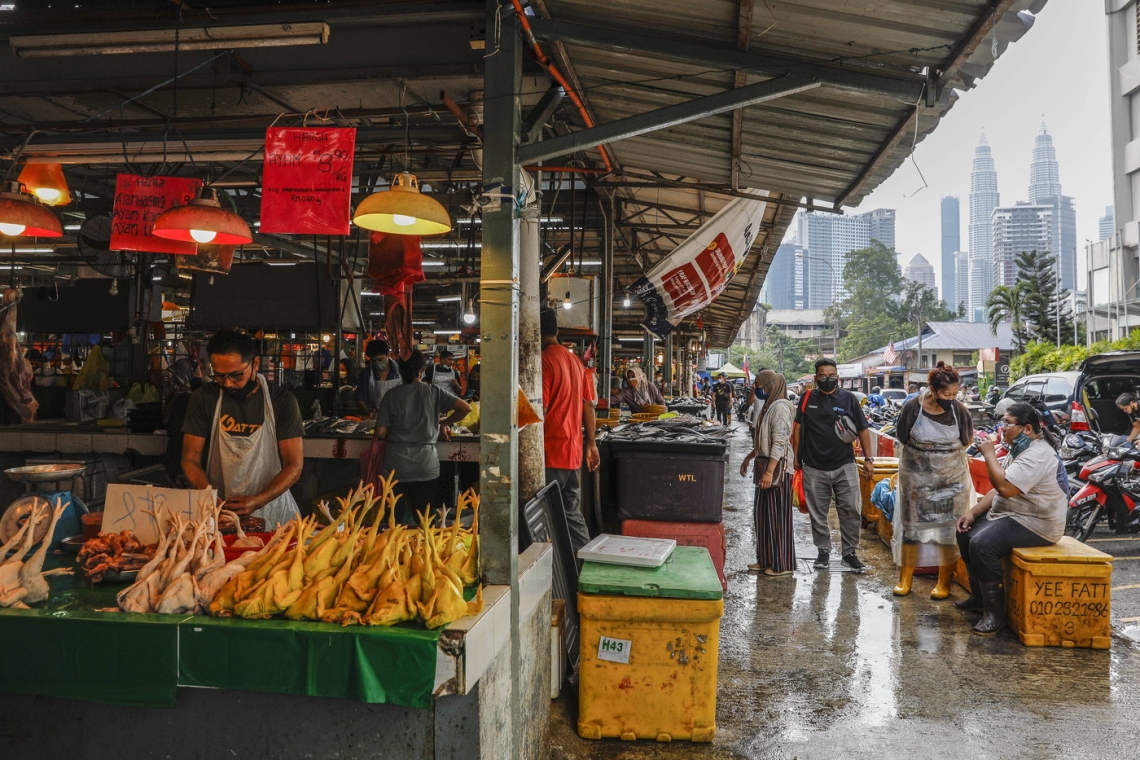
(469, 318)
(203, 236)
(403, 220)
(566, 303)
(47, 194)
(12, 229)
(625, 301)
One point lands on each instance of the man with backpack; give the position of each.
(828, 420)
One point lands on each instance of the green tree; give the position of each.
(1004, 304)
(1045, 303)
(868, 334)
(873, 279)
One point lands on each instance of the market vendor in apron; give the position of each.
(935, 488)
(378, 377)
(242, 436)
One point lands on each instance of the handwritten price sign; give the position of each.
(306, 188)
(138, 508)
(138, 202)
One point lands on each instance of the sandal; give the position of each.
(773, 574)
(757, 569)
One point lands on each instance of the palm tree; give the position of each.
(1005, 304)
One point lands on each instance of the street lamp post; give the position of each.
(834, 282)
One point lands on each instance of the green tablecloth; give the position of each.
(66, 649)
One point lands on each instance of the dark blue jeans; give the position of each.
(987, 541)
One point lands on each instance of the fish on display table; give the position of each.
(15, 370)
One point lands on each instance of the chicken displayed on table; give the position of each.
(24, 582)
(15, 369)
(113, 552)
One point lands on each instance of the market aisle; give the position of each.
(831, 665)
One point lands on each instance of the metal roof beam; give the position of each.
(541, 113)
(662, 118)
(635, 41)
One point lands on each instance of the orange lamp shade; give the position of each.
(402, 210)
(21, 216)
(203, 220)
(46, 182)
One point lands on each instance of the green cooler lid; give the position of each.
(687, 574)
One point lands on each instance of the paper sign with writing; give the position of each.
(306, 187)
(135, 507)
(615, 650)
(139, 201)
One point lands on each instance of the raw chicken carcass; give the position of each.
(15, 370)
(32, 573)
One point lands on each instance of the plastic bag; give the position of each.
(799, 499)
(371, 460)
(93, 375)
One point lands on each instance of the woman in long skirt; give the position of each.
(772, 450)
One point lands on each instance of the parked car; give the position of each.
(1103, 377)
(894, 396)
(1056, 390)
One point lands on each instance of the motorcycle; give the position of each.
(1111, 491)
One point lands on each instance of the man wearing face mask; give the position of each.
(827, 422)
(241, 436)
(378, 377)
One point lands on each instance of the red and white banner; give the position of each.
(138, 202)
(306, 187)
(700, 268)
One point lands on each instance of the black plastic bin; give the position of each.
(670, 482)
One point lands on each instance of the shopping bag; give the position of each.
(799, 500)
(371, 459)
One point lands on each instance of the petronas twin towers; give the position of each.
(1045, 223)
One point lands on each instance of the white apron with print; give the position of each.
(244, 465)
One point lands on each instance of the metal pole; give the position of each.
(499, 278)
(667, 366)
(606, 329)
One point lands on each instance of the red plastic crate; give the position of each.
(706, 534)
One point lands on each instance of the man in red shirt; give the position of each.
(568, 403)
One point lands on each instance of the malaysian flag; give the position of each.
(890, 356)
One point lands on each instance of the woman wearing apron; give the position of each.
(253, 431)
(934, 487)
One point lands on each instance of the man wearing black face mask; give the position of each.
(378, 377)
(828, 461)
(241, 436)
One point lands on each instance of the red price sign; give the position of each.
(306, 188)
(138, 202)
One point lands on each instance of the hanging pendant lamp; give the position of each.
(402, 210)
(20, 215)
(203, 220)
(46, 182)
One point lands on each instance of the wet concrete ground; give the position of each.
(832, 665)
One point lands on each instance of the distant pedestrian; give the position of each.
(722, 400)
(772, 504)
(828, 420)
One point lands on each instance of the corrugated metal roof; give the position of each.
(964, 336)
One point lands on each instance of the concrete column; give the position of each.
(499, 278)
(532, 460)
(667, 366)
(606, 329)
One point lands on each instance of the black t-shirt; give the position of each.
(1134, 416)
(722, 393)
(241, 418)
(820, 447)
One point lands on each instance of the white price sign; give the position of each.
(614, 650)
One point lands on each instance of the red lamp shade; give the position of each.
(203, 220)
(20, 216)
(46, 182)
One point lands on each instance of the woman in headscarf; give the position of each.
(639, 392)
(772, 450)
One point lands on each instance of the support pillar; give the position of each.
(606, 329)
(499, 296)
(667, 367)
(532, 459)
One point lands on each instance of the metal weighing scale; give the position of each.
(37, 476)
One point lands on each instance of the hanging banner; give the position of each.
(306, 187)
(700, 268)
(138, 202)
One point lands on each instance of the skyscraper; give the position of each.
(828, 238)
(1018, 229)
(1106, 225)
(961, 279)
(784, 287)
(1044, 174)
(1045, 189)
(921, 271)
(951, 244)
(984, 199)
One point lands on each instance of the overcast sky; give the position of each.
(1057, 71)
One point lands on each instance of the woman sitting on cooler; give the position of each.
(1026, 507)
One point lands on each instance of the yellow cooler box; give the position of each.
(1061, 595)
(649, 649)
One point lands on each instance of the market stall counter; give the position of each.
(70, 650)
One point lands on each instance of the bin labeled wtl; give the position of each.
(649, 649)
